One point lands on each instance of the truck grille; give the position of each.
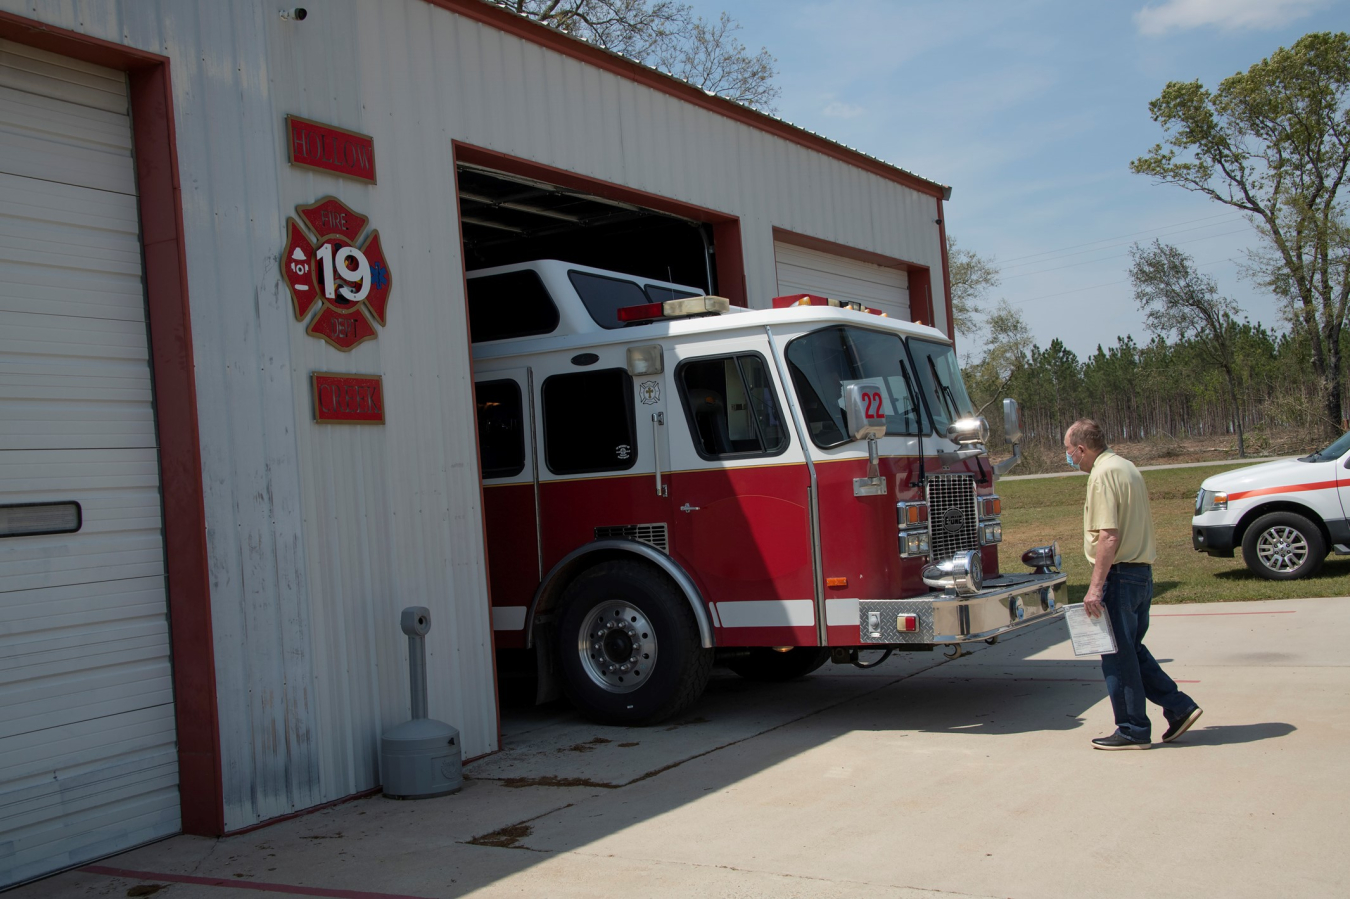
(953, 522)
(652, 534)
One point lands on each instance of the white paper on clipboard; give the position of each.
(1090, 636)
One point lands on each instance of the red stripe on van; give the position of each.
(1295, 488)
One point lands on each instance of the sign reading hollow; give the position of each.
(347, 279)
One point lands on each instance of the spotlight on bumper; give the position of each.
(963, 573)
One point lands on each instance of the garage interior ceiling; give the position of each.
(507, 218)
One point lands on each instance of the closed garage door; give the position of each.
(824, 274)
(88, 761)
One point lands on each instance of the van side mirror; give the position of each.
(1012, 421)
(864, 412)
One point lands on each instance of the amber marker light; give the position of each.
(836, 582)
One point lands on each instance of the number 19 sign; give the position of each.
(349, 280)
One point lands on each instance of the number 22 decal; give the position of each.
(873, 407)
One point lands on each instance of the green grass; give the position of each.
(1044, 509)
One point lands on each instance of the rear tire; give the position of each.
(1283, 546)
(629, 647)
(768, 665)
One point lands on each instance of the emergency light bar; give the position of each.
(675, 309)
(810, 299)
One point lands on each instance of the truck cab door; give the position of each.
(739, 497)
(506, 450)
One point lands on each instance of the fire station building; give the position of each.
(236, 406)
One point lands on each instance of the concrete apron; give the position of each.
(972, 777)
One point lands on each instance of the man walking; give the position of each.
(1118, 541)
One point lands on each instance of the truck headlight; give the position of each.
(991, 532)
(913, 543)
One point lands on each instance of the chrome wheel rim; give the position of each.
(1282, 548)
(617, 646)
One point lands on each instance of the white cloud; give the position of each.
(1229, 15)
(836, 109)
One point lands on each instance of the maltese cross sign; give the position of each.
(347, 279)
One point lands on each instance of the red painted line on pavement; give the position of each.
(1294, 488)
(1047, 680)
(1200, 614)
(236, 883)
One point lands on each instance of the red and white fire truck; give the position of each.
(669, 482)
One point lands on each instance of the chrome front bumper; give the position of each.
(1006, 603)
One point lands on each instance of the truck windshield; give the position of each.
(940, 382)
(1331, 453)
(824, 362)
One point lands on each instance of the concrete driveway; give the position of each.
(923, 777)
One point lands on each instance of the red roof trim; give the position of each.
(536, 33)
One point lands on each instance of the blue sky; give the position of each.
(1032, 111)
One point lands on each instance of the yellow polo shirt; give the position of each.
(1117, 499)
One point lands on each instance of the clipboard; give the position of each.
(1090, 636)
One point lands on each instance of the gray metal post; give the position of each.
(417, 675)
(416, 622)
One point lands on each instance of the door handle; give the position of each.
(688, 508)
(658, 419)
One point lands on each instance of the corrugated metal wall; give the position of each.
(319, 535)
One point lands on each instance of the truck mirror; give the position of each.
(864, 412)
(1012, 421)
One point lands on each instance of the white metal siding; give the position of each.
(825, 274)
(88, 760)
(318, 536)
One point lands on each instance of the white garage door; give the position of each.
(88, 762)
(839, 278)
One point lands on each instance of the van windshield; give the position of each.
(940, 382)
(824, 362)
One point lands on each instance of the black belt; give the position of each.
(1133, 565)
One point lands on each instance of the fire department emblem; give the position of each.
(331, 266)
(649, 392)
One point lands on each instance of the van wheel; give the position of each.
(764, 664)
(628, 646)
(1283, 546)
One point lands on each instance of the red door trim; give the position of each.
(920, 294)
(727, 248)
(166, 288)
(555, 40)
(946, 272)
(820, 244)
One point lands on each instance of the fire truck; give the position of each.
(670, 482)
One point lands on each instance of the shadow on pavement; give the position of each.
(1228, 734)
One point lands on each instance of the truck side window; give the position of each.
(730, 406)
(823, 361)
(501, 428)
(512, 304)
(604, 297)
(588, 422)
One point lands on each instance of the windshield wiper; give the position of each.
(945, 392)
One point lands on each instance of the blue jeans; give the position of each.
(1132, 674)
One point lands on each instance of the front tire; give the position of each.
(1283, 546)
(629, 647)
(768, 665)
